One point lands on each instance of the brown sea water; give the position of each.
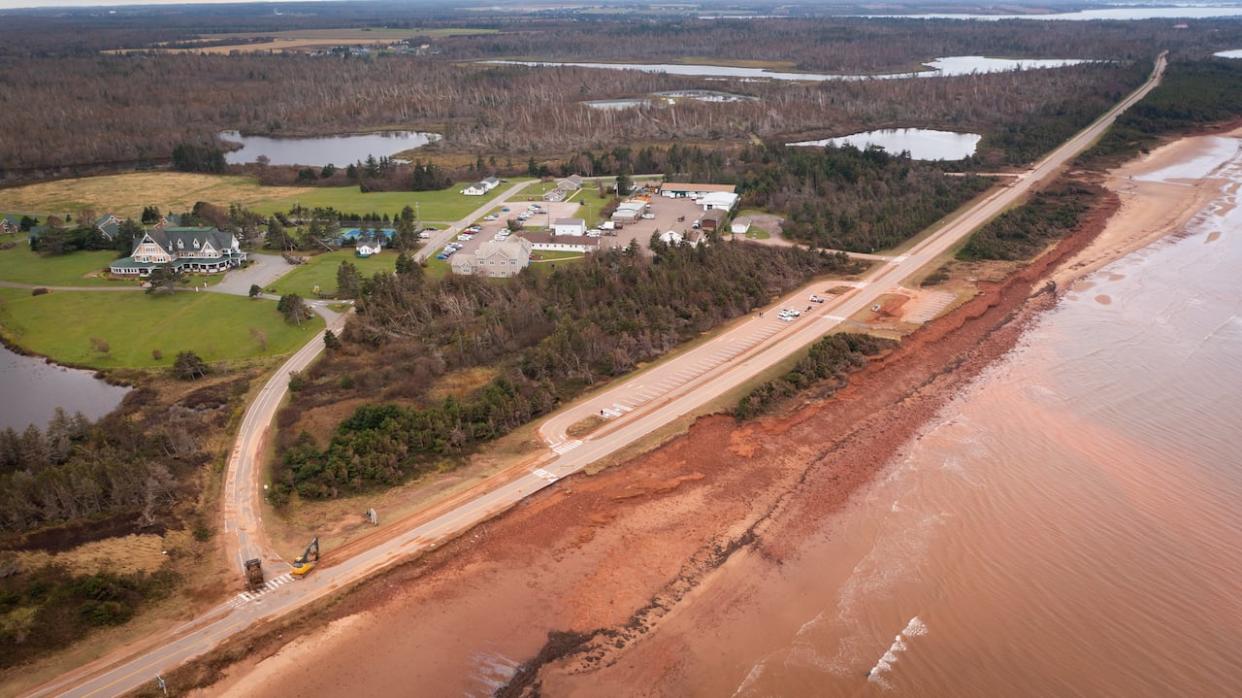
(1070, 525)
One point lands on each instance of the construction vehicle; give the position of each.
(254, 574)
(307, 561)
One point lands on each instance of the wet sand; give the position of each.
(619, 580)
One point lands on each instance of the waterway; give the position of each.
(32, 389)
(921, 143)
(669, 97)
(940, 67)
(1235, 53)
(1070, 525)
(323, 150)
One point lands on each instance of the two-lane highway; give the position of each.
(688, 391)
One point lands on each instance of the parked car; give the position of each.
(648, 216)
(817, 299)
(465, 236)
(425, 235)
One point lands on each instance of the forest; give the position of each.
(80, 110)
(546, 337)
(1193, 94)
(851, 199)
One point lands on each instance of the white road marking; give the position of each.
(541, 473)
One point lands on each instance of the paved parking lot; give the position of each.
(670, 214)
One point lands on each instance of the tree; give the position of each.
(348, 280)
(163, 280)
(127, 234)
(293, 308)
(327, 171)
(192, 157)
(306, 175)
(150, 215)
(330, 341)
(623, 184)
(189, 366)
(255, 290)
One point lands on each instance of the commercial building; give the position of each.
(481, 187)
(569, 226)
(495, 258)
(683, 190)
(543, 242)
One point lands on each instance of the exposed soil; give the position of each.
(563, 584)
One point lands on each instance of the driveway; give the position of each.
(264, 269)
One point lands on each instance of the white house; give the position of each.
(367, 246)
(481, 187)
(569, 226)
(495, 258)
(740, 226)
(181, 249)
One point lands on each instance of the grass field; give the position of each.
(592, 203)
(442, 206)
(310, 38)
(22, 266)
(321, 271)
(126, 195)
(217, 327)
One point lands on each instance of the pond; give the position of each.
(323, 150)
(33, 389)
(940, 67)
(614, 104)
(1236, 53)
(922, 144)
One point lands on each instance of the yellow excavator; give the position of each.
(308, 560)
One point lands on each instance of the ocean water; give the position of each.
(1070, 525)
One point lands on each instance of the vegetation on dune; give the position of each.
(549, 334)
(833, 357)
(1022, 232)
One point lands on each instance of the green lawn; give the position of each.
(321, 271)
(217, 327)
(444, 205)
(592, 203)
(21, 265)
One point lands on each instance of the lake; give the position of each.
(34, 388)
(1112, 13)
(940, 67)
(922, 144)
(1236, 53)
(323, 150)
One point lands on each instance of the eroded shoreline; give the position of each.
(565, 583)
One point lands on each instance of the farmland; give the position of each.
(126, 195)
(65, 326)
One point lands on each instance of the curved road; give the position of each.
(753, 346)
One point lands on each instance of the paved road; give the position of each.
(769, 347)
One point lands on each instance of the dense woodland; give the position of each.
(79, 110)
(546, 335)
(850, 199)
(1193, 94)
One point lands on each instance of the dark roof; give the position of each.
(185, 238)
